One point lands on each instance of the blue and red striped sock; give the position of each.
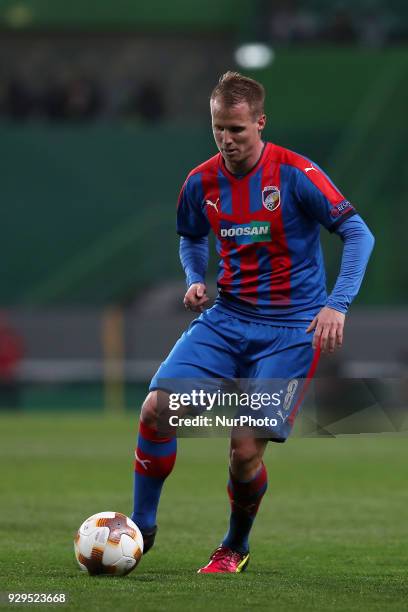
(154, 460)
(245, 498)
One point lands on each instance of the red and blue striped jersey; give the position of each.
(267, 228)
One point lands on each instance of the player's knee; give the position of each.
(243, 458)
(148, 413)
(153, 407)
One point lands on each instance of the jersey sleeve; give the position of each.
(191, 219)
(358, 244)
(320, 199)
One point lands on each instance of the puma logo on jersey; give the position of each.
(214, 204)
(143, 462)
(283, 417)
(309, 168)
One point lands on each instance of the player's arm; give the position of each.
(329, 322)
(194, 259)
(193, 227)
(321, 200)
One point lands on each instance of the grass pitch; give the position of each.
(331, 534)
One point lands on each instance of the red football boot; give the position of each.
(225, 561)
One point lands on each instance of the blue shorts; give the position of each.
(262, 358)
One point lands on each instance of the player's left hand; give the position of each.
(328, 325)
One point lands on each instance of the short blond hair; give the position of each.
(233, 88)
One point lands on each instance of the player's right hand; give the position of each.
(328, 325)
(196, 297)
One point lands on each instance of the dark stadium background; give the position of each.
(104, 110)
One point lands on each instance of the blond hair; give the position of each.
(233, 88)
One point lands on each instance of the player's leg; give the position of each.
(204, 351)
(155, 456)
(282, 361)
(282, 371)
(246, 487)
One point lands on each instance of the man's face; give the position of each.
(237, 133)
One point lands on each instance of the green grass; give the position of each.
(331, 534)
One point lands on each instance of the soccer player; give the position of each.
(272, 316)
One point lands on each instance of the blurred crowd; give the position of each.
(78, 98)
(290, 21)
(82, 79)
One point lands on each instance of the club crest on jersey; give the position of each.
(271, 197)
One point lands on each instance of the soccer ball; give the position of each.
(108, 543)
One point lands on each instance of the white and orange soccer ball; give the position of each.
(108, 543)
